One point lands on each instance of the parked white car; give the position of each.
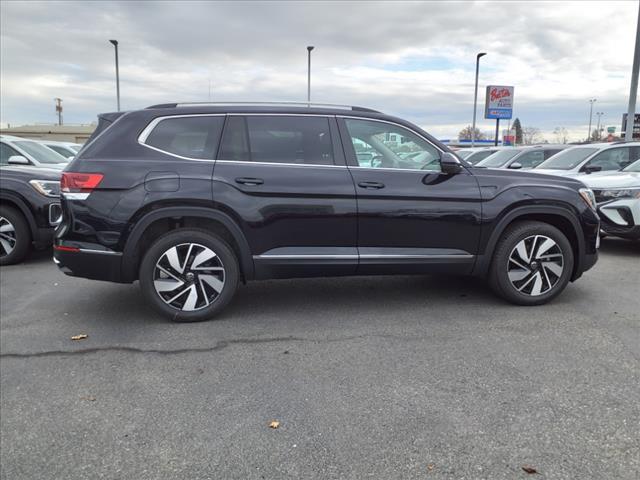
(23, 151)
(66, 149)
(591, 158)
(525, 157)
(618, 201)
(476, 154)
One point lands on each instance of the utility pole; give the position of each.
(591, 102)
(475, 100)
(599, 114)
(631, 112)
(59, 109)
(309, 48)
(115, 44)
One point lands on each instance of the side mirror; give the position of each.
(591, 168)
(450, 164)
(18, 160)
(516, 166)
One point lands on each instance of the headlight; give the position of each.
(588, 197)
(623, 193)
(48, 188)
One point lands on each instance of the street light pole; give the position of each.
(591, 102)
(628, 135)
(309, 48)
(599, 114)
(115, 44)
(475, 100)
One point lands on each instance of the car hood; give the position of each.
(24, 171)
(525, 177)
(613, 180)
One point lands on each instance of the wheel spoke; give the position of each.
(167, 284)
(192, 299)
(553, 267)
(545, 246)
(537, 284)
(6, 246)
(213, 282)
(517, 275)
(521, 248)
(174, 261)
(202, 257)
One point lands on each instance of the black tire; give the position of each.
(499, 274)
(21, 235)
(181, 239)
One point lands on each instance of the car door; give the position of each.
(412, 217)
(610, 159)
(284, 179)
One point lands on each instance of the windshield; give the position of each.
(40, 153)
(634, 167)
(567, 159)
(498, 159)
(477, 157)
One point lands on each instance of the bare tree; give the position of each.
(561, 135)
(465, 134)
(531, 135)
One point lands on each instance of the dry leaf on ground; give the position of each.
(431, 466)
(274, 424)
(529, 469)
(90, 398)
(82, 336)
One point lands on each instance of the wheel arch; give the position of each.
(12, 200)
(562, 218)
(162, 220)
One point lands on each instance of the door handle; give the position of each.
(249, 181)
(371, 185)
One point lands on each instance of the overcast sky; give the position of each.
(415, 60)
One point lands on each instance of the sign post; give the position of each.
(498, 104)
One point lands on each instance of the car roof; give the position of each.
(267, 107)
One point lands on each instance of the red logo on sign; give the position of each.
(498, 94)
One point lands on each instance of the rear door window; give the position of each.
(278, 139)
(190, 137)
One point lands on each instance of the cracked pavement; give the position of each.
(370, 377)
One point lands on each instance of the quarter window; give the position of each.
(192, 137)
(278, 139)
(383, 145)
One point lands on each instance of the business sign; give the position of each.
(499, 102)
(636, 125)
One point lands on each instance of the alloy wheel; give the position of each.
(7, 237)
(535, 265)
(189, 277)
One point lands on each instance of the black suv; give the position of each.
(29, 210)
(189, 199)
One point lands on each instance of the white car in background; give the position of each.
(591, 158)
(66, 149)
(23, 151)
(618, 201)
(474, 155)
(525, 157)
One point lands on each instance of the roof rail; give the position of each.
(266, 104)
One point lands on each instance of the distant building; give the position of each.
(62, 133)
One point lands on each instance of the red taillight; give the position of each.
(63, 248)
(79, 182)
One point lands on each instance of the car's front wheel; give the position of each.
(189, 275)
(532, 263)
(15, 237)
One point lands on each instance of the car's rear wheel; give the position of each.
(15, 237)
(189, 275)
(532, 263)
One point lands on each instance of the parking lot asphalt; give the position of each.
(369, 377)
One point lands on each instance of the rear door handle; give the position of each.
(249, 181)
(371, 185)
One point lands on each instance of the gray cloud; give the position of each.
(408, 58)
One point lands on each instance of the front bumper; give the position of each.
(620, 218)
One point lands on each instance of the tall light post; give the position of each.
(309, 48)
(591, 102)
(599, 114)
(475, 100)
(628, 135)
(115, 44)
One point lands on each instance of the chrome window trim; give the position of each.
(305, 257)
(249, 162)
(366, 256)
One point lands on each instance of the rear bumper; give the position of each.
(87, 263)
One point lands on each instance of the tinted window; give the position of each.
(193, 137)
(550, 153)
(5, 152)
(41, 153)
(611, 159)
(568, 159)
(278, 139)
(479, 156)
(383, 145)
(530, 159)
(61, 150)
(498, 159)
